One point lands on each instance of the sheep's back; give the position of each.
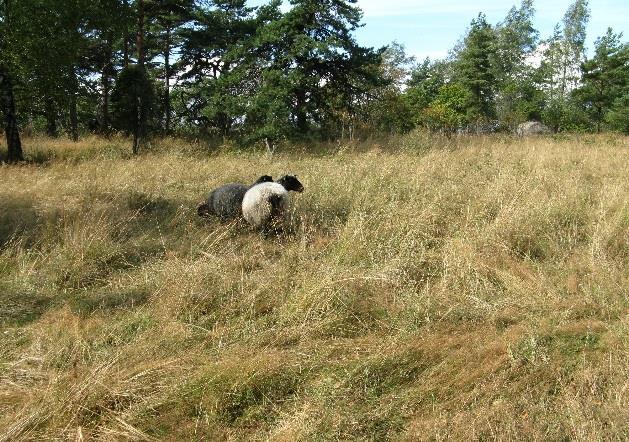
(257, 208)
(226, 201)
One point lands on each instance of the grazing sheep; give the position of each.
(225, 202)
(264, 205)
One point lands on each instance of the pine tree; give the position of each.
(313, 64)
(217, 63)
(108, 22)
(618, 116)
(164, 21)
(605, 76)
(474, 69)
(133, 100)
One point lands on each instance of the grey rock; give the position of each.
(531, 128)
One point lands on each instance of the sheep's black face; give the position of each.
(264, 179)
(291, 182)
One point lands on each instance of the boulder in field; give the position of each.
(531, 128)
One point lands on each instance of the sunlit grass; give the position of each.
(465, 288)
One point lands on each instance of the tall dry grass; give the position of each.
(472, 290)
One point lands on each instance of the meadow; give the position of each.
(471, 288)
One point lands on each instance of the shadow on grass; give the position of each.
(108, 299)
(20, 307)
(149, 205)
(38, 155)
(18, 217)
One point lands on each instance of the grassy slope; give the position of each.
(472, 292)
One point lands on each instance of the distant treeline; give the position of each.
(263, 74)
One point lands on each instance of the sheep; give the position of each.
(225, 202)
(265, 204)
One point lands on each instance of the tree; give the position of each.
(310, 63)
(167, 17)
(107, 27)
(133, 99)
(7, 97)
(618, 116)
(449, 111)
(474, 69)
(517, 96)
(7, 106)
(52, 47)
(574, 32)
(605, 77)
(516, 39)
(217, 64)
(387, 111)
(560, 67)
(424, 84)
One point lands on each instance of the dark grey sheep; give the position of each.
(225, 202)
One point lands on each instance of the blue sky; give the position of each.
(432, 27)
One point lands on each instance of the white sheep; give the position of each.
(265, 205)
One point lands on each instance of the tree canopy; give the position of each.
(225, 69)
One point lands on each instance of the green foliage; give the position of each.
(618, 115)
(390, 114)
(560, 69)
(226, 69)
(424, 84)
(311, 62)
(216, 65)
(516, 38)
(605, 77)
(474, 68)
(133, 99)
(517, 97)
(387, 110)
(518, 101)
(450, 109)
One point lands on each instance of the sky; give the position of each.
(430, 28)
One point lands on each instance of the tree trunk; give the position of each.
(136, 141)
(7, 105)
(140, 34)
(51, 118)
(300, 112)
(105, 111)
(167, 77)
(74, 121)
(125, 50)
(125, 43)
(105, 80)
(137, 129)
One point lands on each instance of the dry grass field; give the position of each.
(430, 289)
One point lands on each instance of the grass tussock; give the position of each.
(466, 288)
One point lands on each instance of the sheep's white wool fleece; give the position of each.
(256, 205)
